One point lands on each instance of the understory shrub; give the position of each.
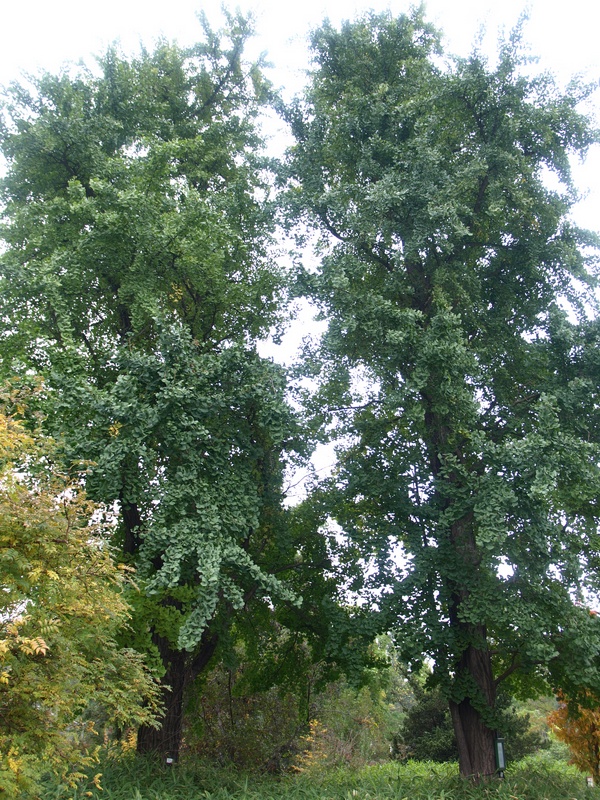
(427, 733)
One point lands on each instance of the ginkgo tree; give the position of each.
(62, 610)
(138, 275)
(460, 367)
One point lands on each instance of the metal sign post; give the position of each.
(500, 758)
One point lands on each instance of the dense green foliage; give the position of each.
(427, 733)
(462, 390)
(289, 714)
(136, 281)
(531, 780)
(137, 278)
(459, 375)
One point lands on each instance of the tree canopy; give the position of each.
(459, 372)
(460, 365)
(137, 278)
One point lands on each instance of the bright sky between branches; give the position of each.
(43, 34)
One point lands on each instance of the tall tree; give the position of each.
(136, 279)
(465, 398)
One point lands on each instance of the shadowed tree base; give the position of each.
(181, 671)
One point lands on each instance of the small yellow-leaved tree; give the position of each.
(61, 610)
(579, 728)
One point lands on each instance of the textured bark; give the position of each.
(181, 670)
(166, 740)
(475, 739)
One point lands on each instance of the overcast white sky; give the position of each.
(43, 33)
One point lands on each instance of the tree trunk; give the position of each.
(181, 670)
(166, 740)
(474, 673)
(475, 740)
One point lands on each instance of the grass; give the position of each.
(140, 779)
